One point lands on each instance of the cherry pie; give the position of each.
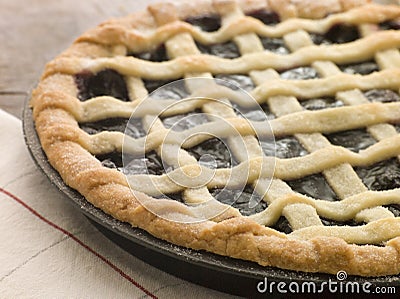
(324, 74)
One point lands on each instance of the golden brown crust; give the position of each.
(56, 111)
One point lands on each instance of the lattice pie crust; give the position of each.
(369, 249)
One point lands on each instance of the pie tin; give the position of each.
(225, 274)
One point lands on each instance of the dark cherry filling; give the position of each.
(267, 17)
(337, 34)
(111, 160)
(394, 208)
(382, 95)
(384, 175)
(275, 45)
(260, 113)
(300, 73)
(248, 202)
(342, 33)
(315, 186)
(319, 39)
(175, 196)
(282, 225)
(152, 85)
(267, 111)
(107, 82)
(175, 91)
(363, 68)
(284, 148)
(321, 103)
(330, 222)
(158, 55)
(118, 124)
(186, 121)
(213, 153)
(207, 23)
(354, 140)
(151, 163)
(227, 50)
(243, 81)
(390, 25)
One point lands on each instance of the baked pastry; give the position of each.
(325, 73)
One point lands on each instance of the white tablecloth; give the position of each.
(49, 250)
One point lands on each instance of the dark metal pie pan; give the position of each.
(236, 277)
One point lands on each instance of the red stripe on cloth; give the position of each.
(69, 234)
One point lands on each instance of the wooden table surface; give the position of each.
(33, 32)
